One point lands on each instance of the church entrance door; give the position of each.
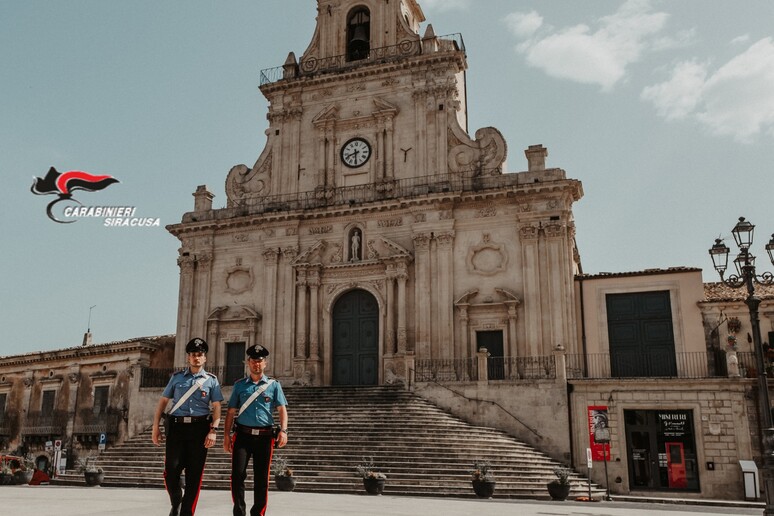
(356, 339)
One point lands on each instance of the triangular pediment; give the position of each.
(314, 251)
(384, 107)
(397, 249)
(328, 114)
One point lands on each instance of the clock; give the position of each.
(355, 152)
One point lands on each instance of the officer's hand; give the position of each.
(227, 443)
(283, 439)
(156, 436)
(209, 441)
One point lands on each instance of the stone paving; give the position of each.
(87, 501)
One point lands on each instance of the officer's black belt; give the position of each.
(254, 430)
(189, 419)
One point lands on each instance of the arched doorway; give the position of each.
(356, 339)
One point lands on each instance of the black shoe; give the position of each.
(175, 511)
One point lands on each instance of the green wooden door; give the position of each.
(356, 339)
(642, 342)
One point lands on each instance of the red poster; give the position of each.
(597, 418)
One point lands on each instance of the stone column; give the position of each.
(389, 150)
(560, 364)
(420, 123)
(314, 331)
(401, 275)
(533, 317)
(286, 305)
(389, 323)
(462, 348)
(301, 313)
(184, 303)
(512, 314)
(422, 294)
(483, 361)
(269, 309)
(446, 293)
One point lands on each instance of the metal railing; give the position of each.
(311, 65)
(497, 368)
(45, 424)
(97, 424)
(643, 365)
(521, 368)
(474, 180)
(446, 370)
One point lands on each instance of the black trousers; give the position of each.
(260, 448)
(185, 451)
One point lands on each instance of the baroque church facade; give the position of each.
(374, 231)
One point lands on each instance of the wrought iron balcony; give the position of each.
(311, 65)
(45, 424)
(414, 187)
(93, 424)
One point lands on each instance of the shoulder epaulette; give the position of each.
(182, 371)
(210, 374)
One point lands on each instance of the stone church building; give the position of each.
(375, 230)
(378, 240)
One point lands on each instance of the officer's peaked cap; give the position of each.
(196, 345)
(257, 351)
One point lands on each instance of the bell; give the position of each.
(359, 46)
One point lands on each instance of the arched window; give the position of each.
(358, 34)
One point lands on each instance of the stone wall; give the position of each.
(534, 412)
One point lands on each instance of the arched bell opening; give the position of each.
(358, 34)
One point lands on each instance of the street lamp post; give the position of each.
(746, 277)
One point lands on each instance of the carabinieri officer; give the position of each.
(190, 428)
(252, 404)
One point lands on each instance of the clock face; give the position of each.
(355, 152)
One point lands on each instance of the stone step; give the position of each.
(422, 449)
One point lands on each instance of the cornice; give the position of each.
(362, 71)
(429, 200)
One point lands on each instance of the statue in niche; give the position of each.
(354, 249)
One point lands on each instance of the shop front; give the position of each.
(661, 450)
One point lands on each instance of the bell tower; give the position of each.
(370, 102)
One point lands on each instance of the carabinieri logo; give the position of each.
(63, 184)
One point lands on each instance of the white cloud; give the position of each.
(599, 54)
(679, 96)
(741, 40)
(736, 100)
(524, 25)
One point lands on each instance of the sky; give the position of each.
(664, 110)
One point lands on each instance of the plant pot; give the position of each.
(93, 478)
(284, 483)
(558, 491)
(374, 486)
(484, 488)
(23, 477)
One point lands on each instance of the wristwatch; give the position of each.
(284, 430)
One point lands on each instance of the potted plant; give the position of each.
(92, 474)
(283, 475)
(6, 473)
(373, 481)
(483, 479)
(559, 489)
(23, 475)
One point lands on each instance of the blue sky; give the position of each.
(664, 110)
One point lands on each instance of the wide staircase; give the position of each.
(422, 449)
